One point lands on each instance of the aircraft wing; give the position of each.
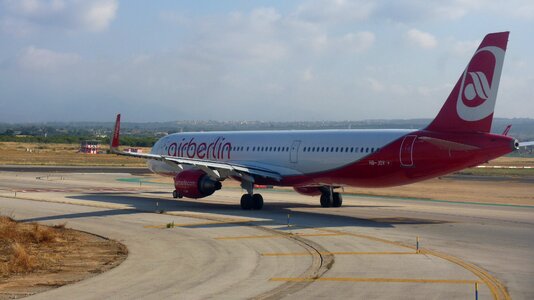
(212, 167)
(525, 144)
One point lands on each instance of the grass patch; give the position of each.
(497, 172)
(12, 153)
(25, 247)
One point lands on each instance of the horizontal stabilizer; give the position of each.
(448, 145)
(525, 144)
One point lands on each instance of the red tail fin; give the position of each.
(470, 105)
(115, 139)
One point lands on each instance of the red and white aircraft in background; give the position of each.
(316, 162)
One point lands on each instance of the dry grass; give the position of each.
(12, 153)
(22, 245)
(34, 257)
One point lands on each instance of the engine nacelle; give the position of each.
(195, 184)
(308, 190)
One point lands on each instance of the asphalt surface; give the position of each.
(365, 249)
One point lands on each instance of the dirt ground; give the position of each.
(35, 258)
(61, 154)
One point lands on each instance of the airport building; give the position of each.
(90, 147)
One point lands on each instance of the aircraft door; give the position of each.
(406, 151)
(294, 152)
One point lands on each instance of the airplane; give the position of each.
(319, 162)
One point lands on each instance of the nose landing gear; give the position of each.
(254, 201)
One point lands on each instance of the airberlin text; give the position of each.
(216, 149)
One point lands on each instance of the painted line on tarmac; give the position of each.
(282, 235)
(497, 289)
(338, 253)
(380, 280)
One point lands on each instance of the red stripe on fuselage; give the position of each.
(384, 169)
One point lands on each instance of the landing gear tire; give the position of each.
(326, 200)
(257, 201)
(246, 201)
(337, 200)
(251, 202)
(175, 194)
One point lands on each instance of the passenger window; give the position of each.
(322, 149)
(347, 149)
(341, 149)
(351, 149)
(367, 150)
(337, 149)
(248, 147)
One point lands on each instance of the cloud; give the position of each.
(33, 58)
(357, 42)
(421, 38)
(26, 16)
(335, 11)
(414, 11)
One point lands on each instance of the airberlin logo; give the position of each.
(216, 149)
(476, 99)
(478, 88)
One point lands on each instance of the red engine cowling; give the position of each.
(195, 184)
(308, 190)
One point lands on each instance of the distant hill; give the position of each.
(522, 128)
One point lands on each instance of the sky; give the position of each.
(301, 60)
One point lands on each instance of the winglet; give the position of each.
(507, 129)
(116, 134)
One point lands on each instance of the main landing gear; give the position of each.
(254, 201)
(329, 198)
(250, 200)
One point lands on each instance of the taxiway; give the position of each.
(292, 248)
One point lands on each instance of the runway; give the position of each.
(291, 249)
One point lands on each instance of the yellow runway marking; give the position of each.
(395, 280)
(337, 253)
(498, 290)
(496, 287)
(275, 236)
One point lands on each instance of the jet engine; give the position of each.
(195, 184)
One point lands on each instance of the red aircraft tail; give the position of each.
(116, 134)
(469, 107)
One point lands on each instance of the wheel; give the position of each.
(175, 194)
(337, 200)
(246, 201)
(257, 201)
(326, 201)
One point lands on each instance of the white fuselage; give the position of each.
(286, 152)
